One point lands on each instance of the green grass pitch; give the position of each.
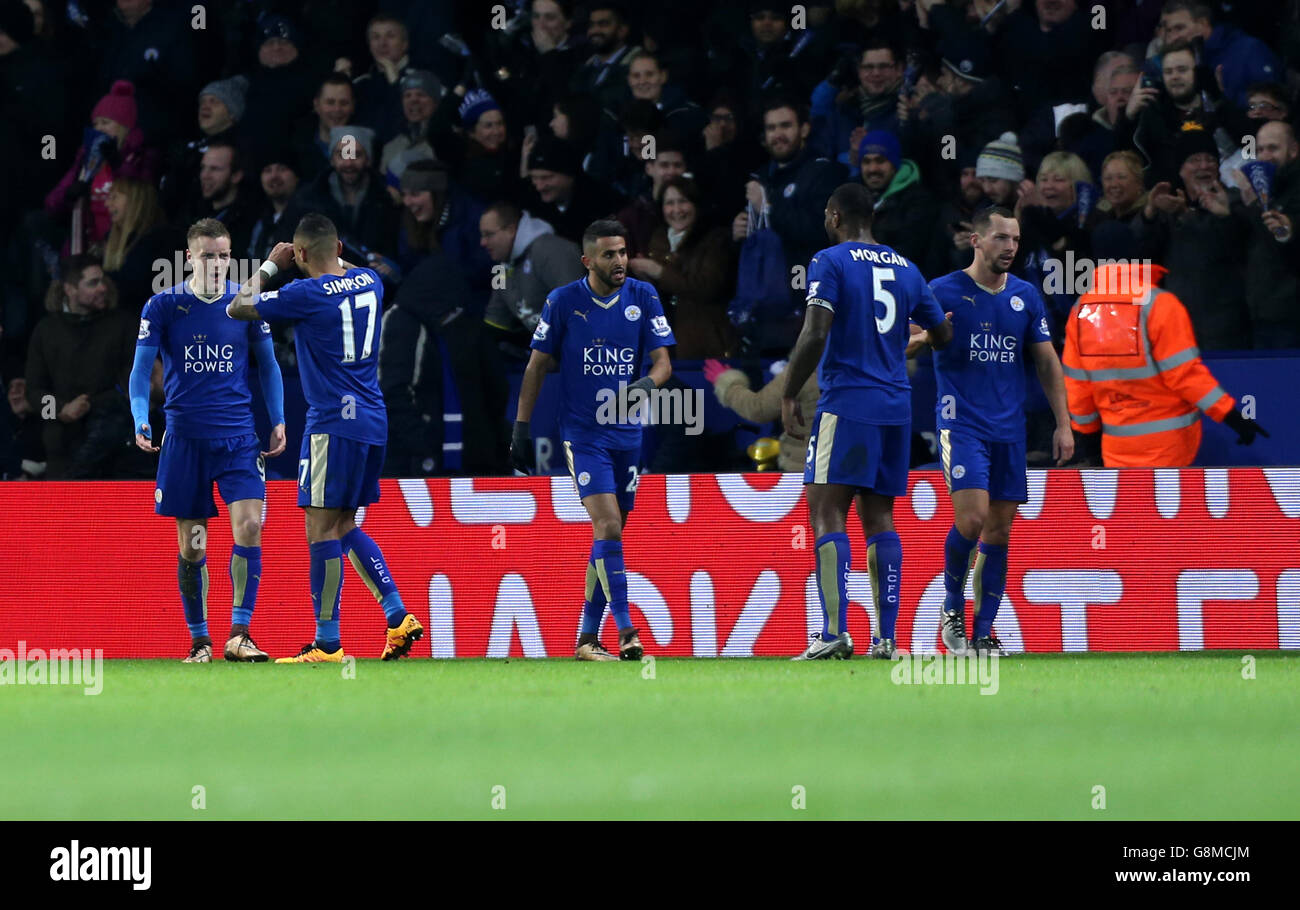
(1168, 736)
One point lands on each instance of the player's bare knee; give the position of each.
(970, 523)
(881, 524)
(248, 532)
(608, 529)
(996, 535)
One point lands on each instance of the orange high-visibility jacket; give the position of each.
(1134, 373)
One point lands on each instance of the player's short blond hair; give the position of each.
(206, 227)
(1064, 164)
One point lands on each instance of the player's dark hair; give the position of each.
(383, 18)
(317, 233)
(1270, 90)
(883, 44)
(854, 202)
(566, 7)
(640, 117)
(507, 212)
(984, 217)
(614, 6)
(778, 101)
(605, 227)
(206, 227)
(335, 79)
(71, 268)
(688, 188)
(1175, 48)
(649, 55)
(1194, 8)
(236, 160)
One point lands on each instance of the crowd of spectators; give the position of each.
(461, 148)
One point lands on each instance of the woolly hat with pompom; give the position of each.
(118, 105)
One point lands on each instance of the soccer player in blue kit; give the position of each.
(600, 329)
(210, 432)
(860, 297)
(980, 414)
(335, 311)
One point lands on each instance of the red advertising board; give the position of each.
(717, 566)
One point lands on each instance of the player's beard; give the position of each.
(607, 277)
(997, 267)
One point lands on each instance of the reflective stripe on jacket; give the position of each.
(1134, 373)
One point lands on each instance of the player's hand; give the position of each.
(740, 226)
(919, 338)
(713, 368)
(1242, 183)
(144, 438)
(855, 140)
(277, 441)
(282, 255)
(523, 455)
(1245, 427)
(1063, 444)
(961, 238)
(75, 409)
(1140, 98)
(645, 267)
(1214, 199)
(1279, 224)
(1164, 200)
(754, 193)
(792, 417)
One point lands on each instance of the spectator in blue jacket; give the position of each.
(1237, 60)
(865, 100)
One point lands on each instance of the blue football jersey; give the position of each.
(205, 361)
(336, 332)
(981, 374)
(873, 292)
(600, 342)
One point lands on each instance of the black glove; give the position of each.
(1244, 427)
(76, 190)
(523, 457)
(640, 402)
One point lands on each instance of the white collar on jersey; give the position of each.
(190, 285)
(603, 304)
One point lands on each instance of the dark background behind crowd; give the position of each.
(462, 147)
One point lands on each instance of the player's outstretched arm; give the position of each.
(803, 360)
(138, 391)
(1052, 378)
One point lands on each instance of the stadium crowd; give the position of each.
(462, 147)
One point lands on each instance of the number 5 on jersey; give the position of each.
(367, 302)
(878, 279)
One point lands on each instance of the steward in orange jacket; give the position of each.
(1134, 373)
